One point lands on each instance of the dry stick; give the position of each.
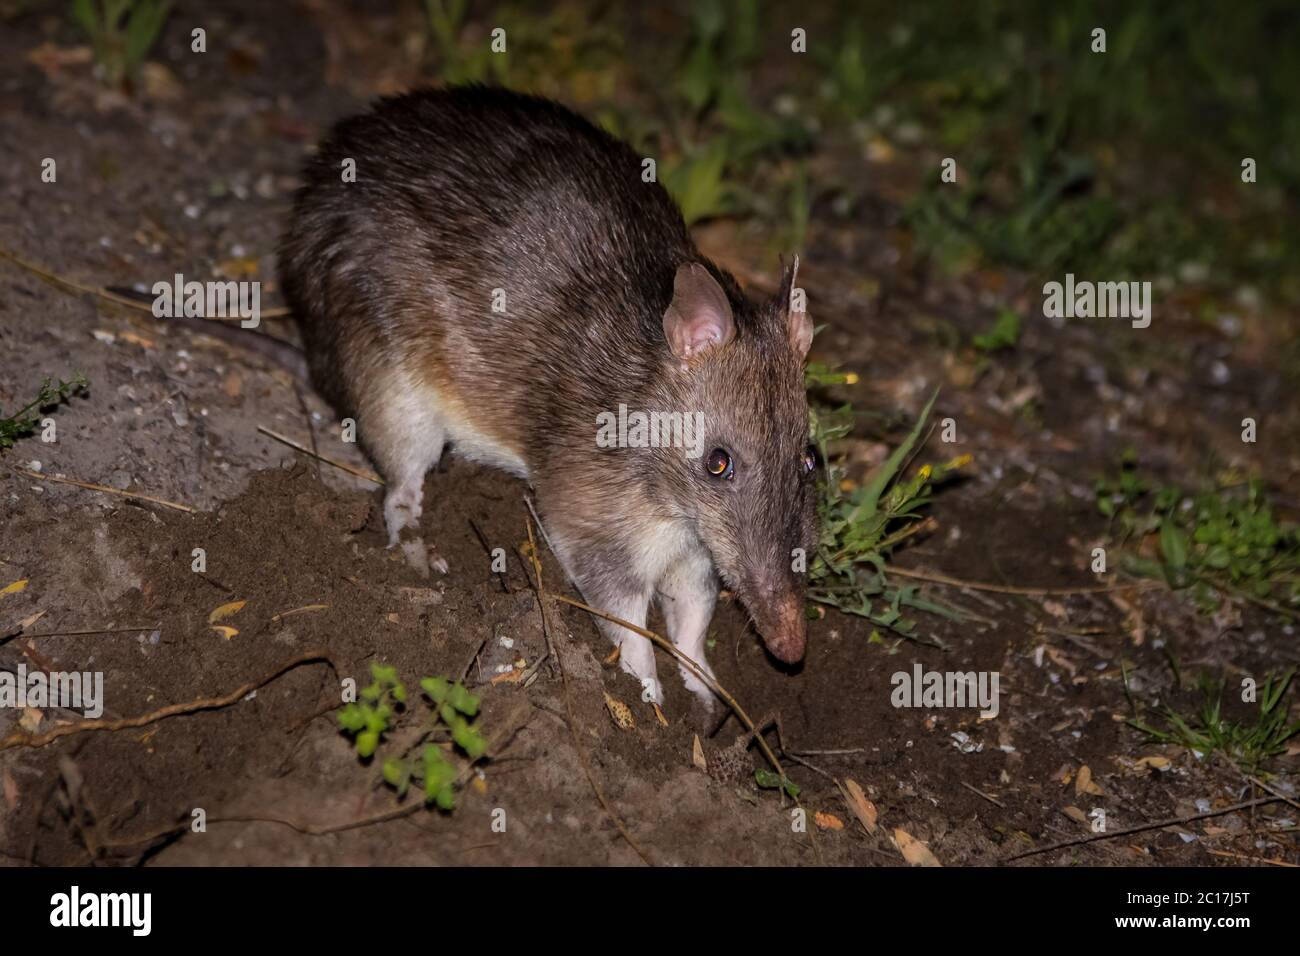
(366, 475)
(171, 710)
(980, 793)
(568, 705)
(936, 578)
(1158, 825)
(102, 293)
(695, 668)
(107, 490)
(1250, 859)
(4, 638)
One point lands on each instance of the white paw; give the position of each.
(698, 687)
(637, 658)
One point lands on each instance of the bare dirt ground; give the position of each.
(195, 177)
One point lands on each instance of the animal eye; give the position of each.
(809, 459)
(719, 464)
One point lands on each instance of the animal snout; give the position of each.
(787, 638)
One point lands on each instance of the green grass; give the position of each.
(1220, 541)
(1068, 159)
(23, 423)
(861, 524)
(121, 32)
(1248, 743)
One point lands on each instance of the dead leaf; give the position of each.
(1056, 609)
(225, 631)
(30, 720)
(50, 59)
(305, 609)
(31, 619)
(620, 713)
(1083, 783)
(914, 851)
(697, 755)
(1077, 815)
(233, 384)
(10, 786)
(613, 656)
(828, 821)
(15, 587)
(225, 611)
(861, 807)
(128, 336)
(241, 267)
(659, 715)
(1155, 762)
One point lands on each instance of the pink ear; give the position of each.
(699, 317)
(799, 322)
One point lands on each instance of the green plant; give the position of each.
(1208, 731)
(435, 769)
(122, 32)
(1004, 334)
(862, 523)
(23, 422)
(446, 19)
(372, 716)
(1223, 539)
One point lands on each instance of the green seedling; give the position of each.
(373, 715)
(24, 422)
(452, 707)
(122, 32)
(861, 526)
(1249, 744)
(770, 780)
(1004, 334)
(1217, 541)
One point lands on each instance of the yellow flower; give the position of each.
(851, 378)
(960, 461)
(925, 471)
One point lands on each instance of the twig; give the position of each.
(572, 721)
(18, 739)
(365, 475)
(694, 668)
(107, 490)
(1158, 825)
(482, 539)
(980, 793)
(935, 578)
(102, 293)
(311, 431)
(94, 630)
(1250, 859)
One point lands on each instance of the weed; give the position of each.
(122, 32)
(452, 705)
(23, 422)
(1004, 334)
(862, 523)
(1248, 744)
(1225, 539)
